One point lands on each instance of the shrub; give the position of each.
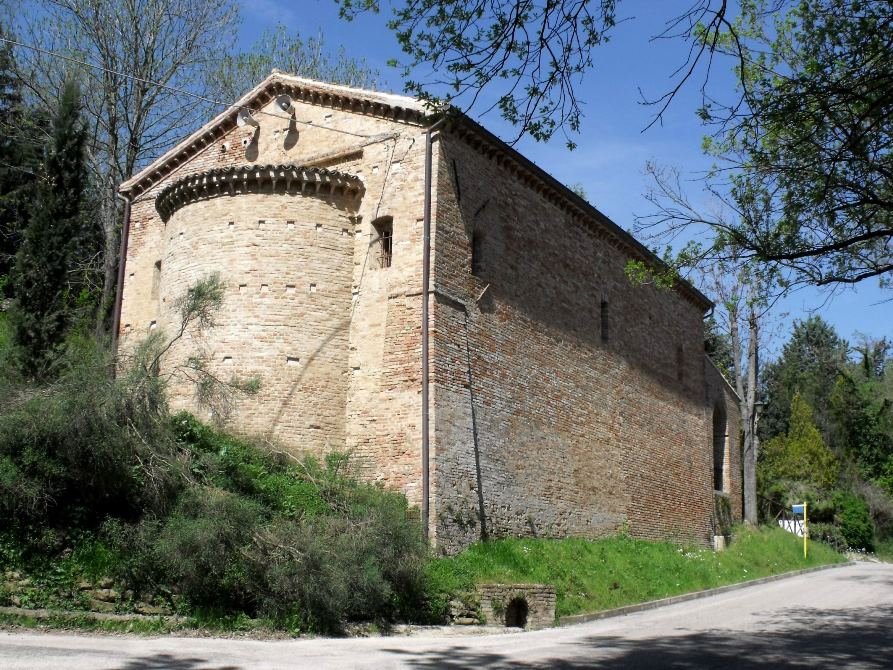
(880, 507)
(829, 534)
(854, 521)
(80, 450)
(367, 565)
(202, 547)
(296, 540)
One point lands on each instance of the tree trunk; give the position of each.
(748, 419)
(109, 214)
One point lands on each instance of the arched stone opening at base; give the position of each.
(516, 613)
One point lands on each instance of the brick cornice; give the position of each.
(284, 179)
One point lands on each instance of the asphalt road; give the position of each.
(841, 618)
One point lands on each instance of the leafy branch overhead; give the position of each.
(533, 54)
(803, 169)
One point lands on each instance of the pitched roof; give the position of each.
(373, 103)
(411, 111)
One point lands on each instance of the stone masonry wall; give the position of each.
(545, 426)
(355, 384)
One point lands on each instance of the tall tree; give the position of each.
(52, 242)
(809, 365)
(20, 144)
(740, 293)
(861, 407)
(142, 58)
(236, 73)
(800, 454)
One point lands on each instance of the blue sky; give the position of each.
(613, 145)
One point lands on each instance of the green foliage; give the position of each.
(302, 543)
(602, 574)
(199, 547)
(537, 49)
(58, 235)
(810, 362)
(862, 413)
(801, 146)
(854, 522)
(19, 163)
(813, 142)
(854, 411)
(800, 455)
(80, 450)
(98, 479)
(885, 550)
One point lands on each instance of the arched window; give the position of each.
(720, 437)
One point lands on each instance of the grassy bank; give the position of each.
(590, 576)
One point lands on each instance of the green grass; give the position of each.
(591, 576)
(201, 622)
(884, 550)
(87, 622)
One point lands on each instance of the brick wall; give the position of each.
(544, 427)
(541, 424)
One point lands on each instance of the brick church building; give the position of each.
(559, 399)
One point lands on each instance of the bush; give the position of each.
(854, 521)
(334, 568)
(202, 548)
(81, 449)
(96, 469)
(829, 534)
(295, 540)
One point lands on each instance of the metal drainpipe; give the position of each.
(426, 280)
(122, 261)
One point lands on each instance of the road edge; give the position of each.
(574, 619)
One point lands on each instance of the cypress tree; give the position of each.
(19, 163)
(47, 258)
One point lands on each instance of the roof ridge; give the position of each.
(390, 105)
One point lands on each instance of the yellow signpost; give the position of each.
(805, 532)
(802, 509)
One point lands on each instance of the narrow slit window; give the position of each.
(680, 363)
(384, 231)
(156, 280)
(606, 321)
(477, 255)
